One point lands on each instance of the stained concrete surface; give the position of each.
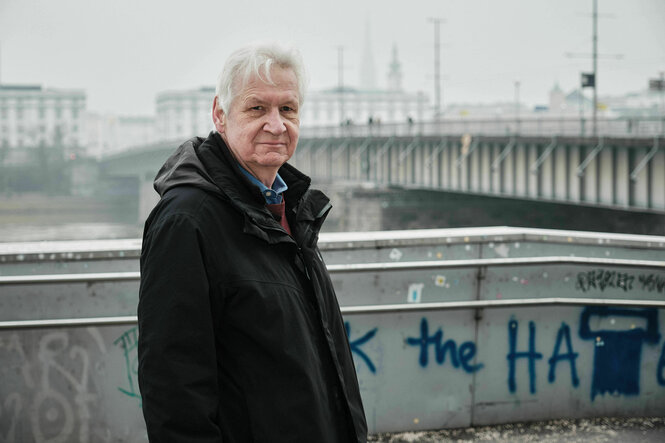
(592, 430)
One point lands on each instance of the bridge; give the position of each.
(532, 159)
(448, 328)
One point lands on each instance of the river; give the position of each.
(38, 217)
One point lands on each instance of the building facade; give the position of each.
(367, 104)
(184, 114)
(32, 116)
(352, 106)
(109, 134)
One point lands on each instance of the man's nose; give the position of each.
(274, 122)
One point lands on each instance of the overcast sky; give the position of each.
(123, 52)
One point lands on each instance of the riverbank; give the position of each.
(31, 217)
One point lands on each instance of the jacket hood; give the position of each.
(208, 164)
(183, 167)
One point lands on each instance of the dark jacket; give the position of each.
(240, 334)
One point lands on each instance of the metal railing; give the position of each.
(370, 309)
(361, 267)
(365, 267)
(546, 126)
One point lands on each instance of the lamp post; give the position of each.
(658, 84)
(517, 108)
(437, 67)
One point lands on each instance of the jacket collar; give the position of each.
(306, 208)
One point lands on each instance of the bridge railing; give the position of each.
(448, 328)
(633, 127)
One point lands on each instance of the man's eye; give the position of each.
(256, 108)
(288, 109)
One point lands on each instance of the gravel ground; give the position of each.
(593, 430)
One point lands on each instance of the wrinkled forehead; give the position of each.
(246, 80)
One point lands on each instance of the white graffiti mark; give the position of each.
(52, 417)
(57, 376)
(14, 345)
(51, 346)
(94, 333)
(12, 409)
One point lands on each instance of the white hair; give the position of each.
(257, 60)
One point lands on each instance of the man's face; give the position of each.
(262, 125)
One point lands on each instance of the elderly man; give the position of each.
(240, 335)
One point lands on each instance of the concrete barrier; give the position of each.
(448, 328)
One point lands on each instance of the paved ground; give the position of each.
(596, 430)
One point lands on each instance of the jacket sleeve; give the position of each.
(177, 368)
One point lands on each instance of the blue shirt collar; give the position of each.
(273, 195)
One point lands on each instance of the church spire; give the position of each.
(395, 72)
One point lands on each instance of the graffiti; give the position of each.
(618, 354)
(563, 334)
(128, 343)
(459, 356)
(51, 346)
(53, 402)
(513, 355)
(355, 346)
(12, 410)
(652, 283)
(603, 279)
(57, 403)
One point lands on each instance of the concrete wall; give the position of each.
(417, 369)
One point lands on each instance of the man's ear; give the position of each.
(218, 116)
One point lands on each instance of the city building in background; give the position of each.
(108, 134)
(347, 105)
(184, 114)
(35, 120)
(33, 117)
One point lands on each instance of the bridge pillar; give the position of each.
(148, 198)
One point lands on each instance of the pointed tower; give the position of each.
(395, 72)
(367, 72)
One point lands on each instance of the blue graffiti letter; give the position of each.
(355, 345)
(564, 332)
(618, 354)
(532, 355)
(465, 353)
(425, 341)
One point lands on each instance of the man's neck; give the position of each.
(271, 193)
